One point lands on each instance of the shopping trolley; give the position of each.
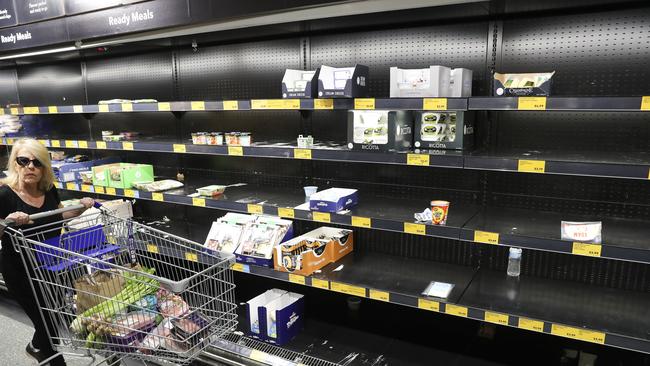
(113, 287)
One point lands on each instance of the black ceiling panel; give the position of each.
(54, 84)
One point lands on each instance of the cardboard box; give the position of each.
(379, 130)
(259, 239)
(444, 130)
(460, 83)
(300, 84)
(314, 250)
(69, 172)
(343, 82)
(225, 233)
(122, 175)
(515, 85)
(333, 200)
(428, 82)
(256, 326)
(284, 317)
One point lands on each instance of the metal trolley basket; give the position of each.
(111, 286)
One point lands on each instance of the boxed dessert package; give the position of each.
(429, 82)
(343, 82)
(529, 84)
(314, 250)
(444, 130)
(333, 200)
(227, 231)
(300, 84)
(284, 318)
(122, 175)
(460, 83)
(379, 130)
(260, 237)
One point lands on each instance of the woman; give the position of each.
(29, 189)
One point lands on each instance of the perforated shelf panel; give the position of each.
(592, 54)
(457, 45)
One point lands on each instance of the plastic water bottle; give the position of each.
(514, 262)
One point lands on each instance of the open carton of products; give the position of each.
(314, 250)
(225, 233)
(300, 84)
(380, 130)
(70, 171)
(122, 175)
(530, 84)
(275, 316)
(343, 82)
(333, 200)
(444, 130)
(434, 81)
(260, 237)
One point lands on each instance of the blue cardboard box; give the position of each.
(69, 172)
(333, 200)
(260, 238)
(284, 318)
(256, 325)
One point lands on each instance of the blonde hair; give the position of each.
(40, 152)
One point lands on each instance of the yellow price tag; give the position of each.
(192, 257)
(578, 333)
(77, 109)
(200, 202)
(589, 250)
(10, 141)
(496, 318)
(87, 188)
(179, 148)
(152, 248)
(127, 107)
(129, 193)
(55, 143)
(127, 145)
(258, 356)
(30, 110)
(157, 197)
(237, 267)
(456, 310)
(434, 104)
(14, 111)
(361, 221)
(58, 185)
(71, 144)
(531, 166)
(275, 104)
(531, 103)
(45, 143)
(103, 108)
(320, 283)
(72, 186)
(99, 190)
(592, 336)
(379, 295)
(230, 105)
(286, 212)
(428, 305)
(302, 153)
(530, 324)
(323, 103)
(417, 159)
(294, 278)
(486, 237)
(53, 109)
(255, 209)
(321, 216)
(111, 191)
(235, 151)
(364, 103)
(164, 106)
(645, 103)
(412, 228)
(197, 106)
(100, 144)
(348, 289)
(83, 144)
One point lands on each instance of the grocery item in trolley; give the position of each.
(144, 300)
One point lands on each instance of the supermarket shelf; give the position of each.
(437, 158)
(629, 104)
(447, 104)
(621, 318)
(373, 212)
(624, 239)
(592, 163)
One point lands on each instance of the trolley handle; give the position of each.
(41, 215)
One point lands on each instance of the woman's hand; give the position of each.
(20, 218)
(87, 202)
